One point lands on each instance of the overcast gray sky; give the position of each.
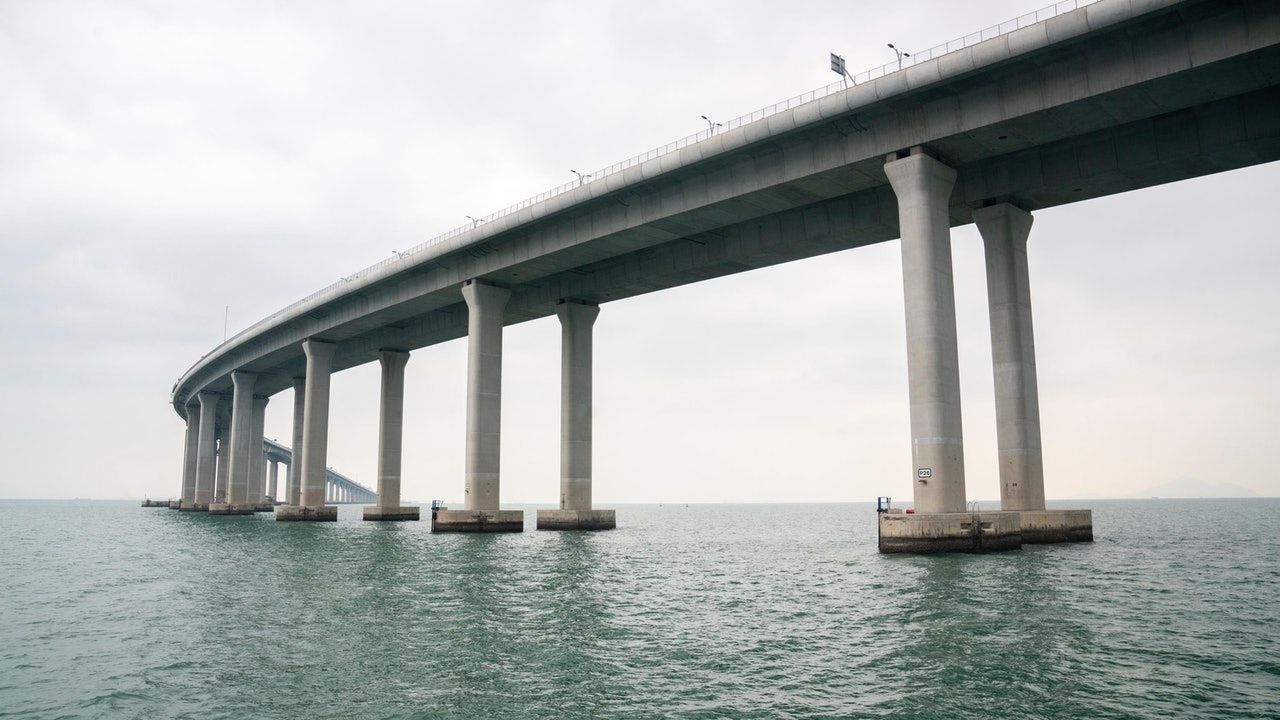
(161, 160)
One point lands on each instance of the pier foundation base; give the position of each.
(175, 504)
(576, 520)
(478, 521)
(1056, 526)
(229, 509)
(193, 507)
(302, 513)
(403, 512)
(949, 532)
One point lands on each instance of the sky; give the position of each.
(162, 161)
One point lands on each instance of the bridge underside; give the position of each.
(1211, 118)
(1212, 137)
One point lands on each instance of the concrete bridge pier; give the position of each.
(273, 473)
(577, 320)
(223, 431)
(294, 494)
(390, 440)
(485, 305)
(923, 187)
(242, 450)
(258, 458)
(315, 437)
(1004, 229)
(190, 451)
(206, 452)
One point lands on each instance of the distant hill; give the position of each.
(1185, 487)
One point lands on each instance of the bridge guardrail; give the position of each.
(888, 68)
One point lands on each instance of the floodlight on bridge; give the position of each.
(901, 54)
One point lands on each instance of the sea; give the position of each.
(111, 610)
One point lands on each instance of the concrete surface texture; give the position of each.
(190, 452)
(390, 440)
(242, 447)
(478, 521)
(207, 453)
(485, 304)
(923, 186)
(1004, 229)
(257, 470)
(295, 467)
(576, 323)
(315, 422)
(1054, 526)
(982, 531)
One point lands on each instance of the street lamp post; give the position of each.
(581, 178)
(711, 125)
(901, 54)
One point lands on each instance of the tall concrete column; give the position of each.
(224, 451)
(1004, 230)
(206, 452)
(241, 456)
(295, 459)
(923, 186)
(315, 436)
(577, 320)
(274, 474)
(485, 306)
(190, 451)
(257, 460)
(390, 440)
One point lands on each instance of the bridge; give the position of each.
(1082, 99)
(264, 480)
(339, 489)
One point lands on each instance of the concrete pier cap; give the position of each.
(965, 532)
(478, 521)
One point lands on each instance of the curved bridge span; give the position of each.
(339, 489)
(1080, 100)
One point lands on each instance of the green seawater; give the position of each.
(110, 610)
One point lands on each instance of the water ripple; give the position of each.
(110, 610)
